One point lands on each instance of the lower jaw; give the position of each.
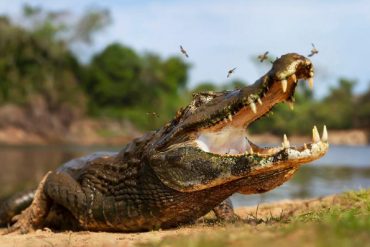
(232, 141)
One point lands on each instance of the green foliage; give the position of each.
(58, 25)
(30, 65)
(335, 110)
(113, 76)
(123, 84)
(36, 60)
(339, 105)
(362, 113)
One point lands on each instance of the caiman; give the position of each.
(178, 173)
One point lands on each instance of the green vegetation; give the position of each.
(341, 221)
(37, 61)
(123, 84)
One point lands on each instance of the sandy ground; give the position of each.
(254, 218)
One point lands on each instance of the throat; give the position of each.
(228, 140)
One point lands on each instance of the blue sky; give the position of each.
(220, 35)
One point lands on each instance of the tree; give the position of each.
(362, 113)
(61, 25)
(337, 109)
(113, 77)
(123, 84)
(29, 66)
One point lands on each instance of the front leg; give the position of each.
(225, 211)
(34, 216)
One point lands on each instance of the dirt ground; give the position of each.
(254, 218)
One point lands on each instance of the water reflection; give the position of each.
(23, 167)
(343, 168)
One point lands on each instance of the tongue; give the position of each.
(229, 140)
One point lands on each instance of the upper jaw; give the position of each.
(242, 106)
(276, 86)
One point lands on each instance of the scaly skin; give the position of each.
(165, 179)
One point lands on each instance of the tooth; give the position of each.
(259, 101)
(315, 135)
(291, 105)
(253, 107)
(250, 150)
(284, 85)
(324, 134)
(230, 117)
(310, 82)
(286, 143)
(294, 77)
(225, 120)
(246, 152)
(305, 145)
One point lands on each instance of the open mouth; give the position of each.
(227, 135)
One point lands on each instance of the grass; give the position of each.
(343, 220)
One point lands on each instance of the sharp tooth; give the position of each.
(284, 85)
(286, 143)
(310, 82)
(294, 77)
(259, 101)
(324, 137)
(250, 150)
(315, 135)
(230, 117)
(305, 145)
(291, 105)
(253, 107)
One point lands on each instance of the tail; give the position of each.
(14, 205)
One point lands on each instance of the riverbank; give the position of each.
(36, 124)
(339, 220)
(88, 132)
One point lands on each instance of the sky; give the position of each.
(220, 35)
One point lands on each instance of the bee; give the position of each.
(313, 50)
(263, 56)
(183, 51)
(230, 72)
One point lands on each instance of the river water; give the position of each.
(343, 168)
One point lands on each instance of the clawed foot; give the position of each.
(23, 223)
(32, 217)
